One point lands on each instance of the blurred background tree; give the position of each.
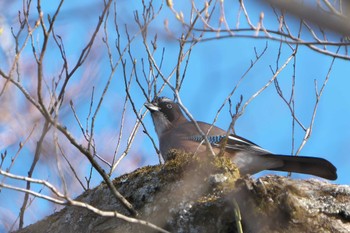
(75, 75)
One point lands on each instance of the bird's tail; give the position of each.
(306, 165)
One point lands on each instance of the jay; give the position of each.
(174, 131)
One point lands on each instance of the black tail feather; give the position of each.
(306, 165)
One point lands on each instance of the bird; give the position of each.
(175, 131)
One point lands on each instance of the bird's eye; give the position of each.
(169, 106)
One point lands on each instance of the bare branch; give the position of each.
(62, 199)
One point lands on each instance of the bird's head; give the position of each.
(165, 114)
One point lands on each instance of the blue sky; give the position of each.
(214, 69)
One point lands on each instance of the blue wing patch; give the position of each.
(216, 139)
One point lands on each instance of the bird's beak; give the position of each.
(152, 107)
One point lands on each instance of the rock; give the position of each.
(207, 195)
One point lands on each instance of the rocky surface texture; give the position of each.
(206, 195)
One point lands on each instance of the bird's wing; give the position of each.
(232, 142)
